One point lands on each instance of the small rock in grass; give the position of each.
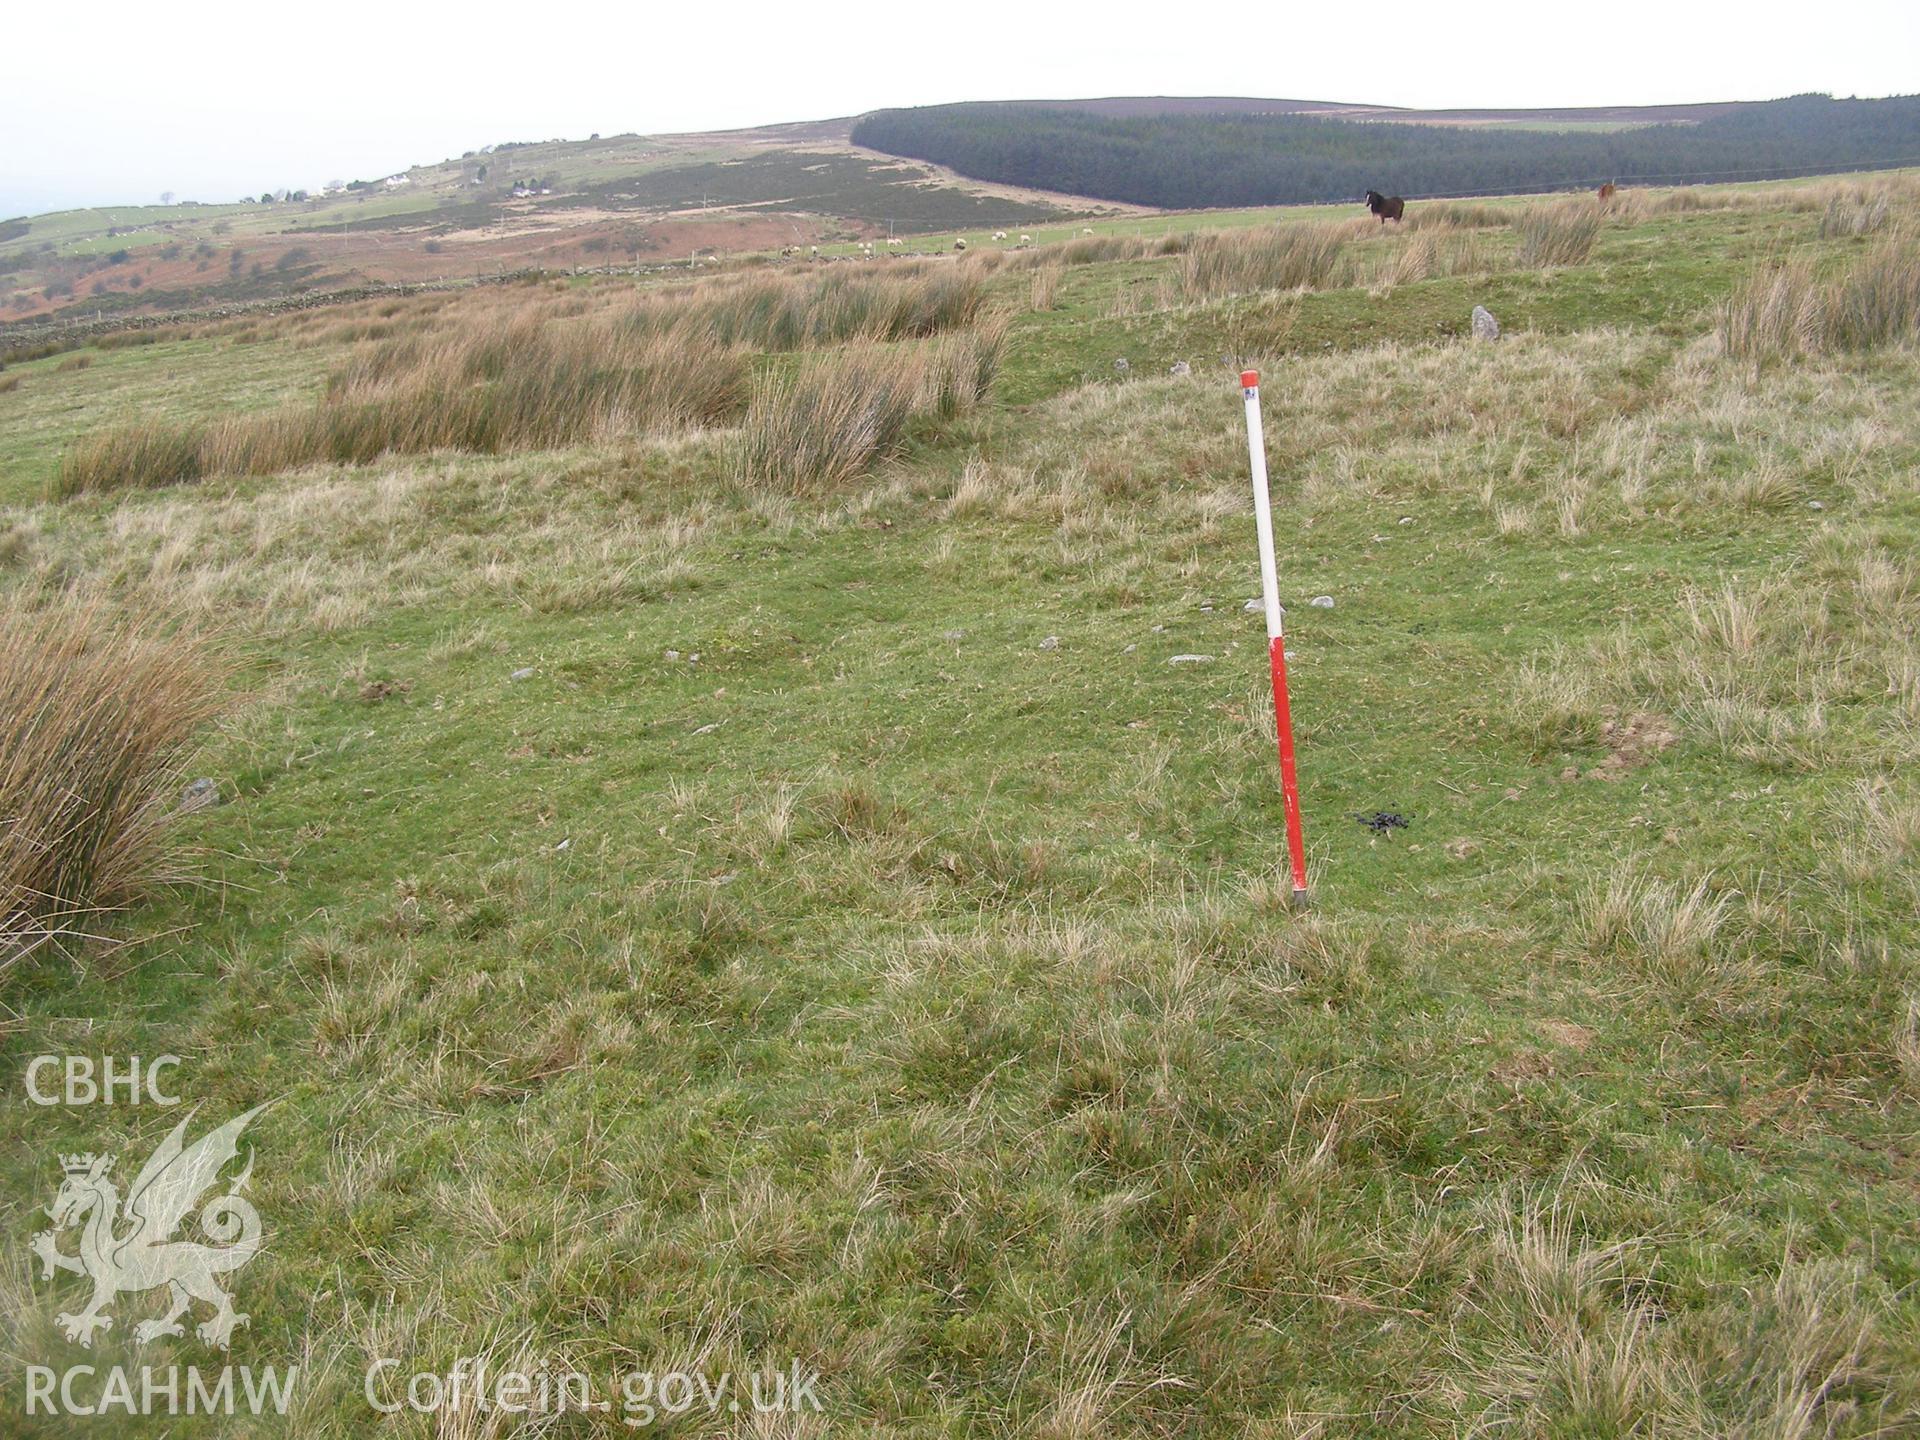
(1159, 629)
(1130, 649)
(953, 635)
(1190, 660)
(1052, 642)
(1815, 505)
(673, 654)
(1253, 606)
(1120, 366)
(1321, 602)
(527, 674)
(201, 794)
(1485, 327)
(1406, 519)
(1180, 367)
(708, 729)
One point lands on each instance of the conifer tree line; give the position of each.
(1196, 161)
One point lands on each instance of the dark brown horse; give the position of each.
(1387, 207)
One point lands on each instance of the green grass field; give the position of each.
(687, 924)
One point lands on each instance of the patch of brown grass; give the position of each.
(1790, 309)
(96, 720)
(1277, 257)
(1561, 233)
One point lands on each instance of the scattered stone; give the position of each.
(1206, 609)
(1191, 660)
(708, 729)
(527, 674)
(1406, 519)
(953, 634)
(564, 844)
(1321, 602)
(1180, 367)
(1253, 606)
(1289, 656)
(1815, 505)
(201, 794)
(1485, 327)
(673, 654)
(694, 658)
(1159, 629)
(1382, 821)
(1130, 649)
(1120, 366)
(1052, 642)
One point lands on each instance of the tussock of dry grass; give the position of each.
(1587, 1351)
(96, 719)
(1851, 215)
(528, 387)
(1458, 215)
(1561, 233)
(910, 300)
(1279, 257)
(517, 370)
(835, 417)
(1791, 309)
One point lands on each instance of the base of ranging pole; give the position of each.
(1276, 636)
(1289, 777)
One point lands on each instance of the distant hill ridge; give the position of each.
(1135, 106)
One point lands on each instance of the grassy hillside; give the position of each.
(697, 909)
(626, 201)
(1187, 160)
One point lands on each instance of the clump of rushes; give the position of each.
(822, 424)
(1278, 257)
(1558, 234)
(529, 386)
(97, 719)
(833, 417)
(1789, 309)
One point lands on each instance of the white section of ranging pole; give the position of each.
(1276, 640)
(1262, 507)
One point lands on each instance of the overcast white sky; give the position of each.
(113, 103)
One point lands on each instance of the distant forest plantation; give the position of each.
(1198, 161)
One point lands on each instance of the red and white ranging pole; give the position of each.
(1276, 637)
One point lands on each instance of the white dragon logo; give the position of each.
(147, 1256)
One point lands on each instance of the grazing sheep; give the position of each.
(893, 244)
(959, 245)
(1025, 239)
(999, 234)
(1086, 230)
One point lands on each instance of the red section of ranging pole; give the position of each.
(1276, 636)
